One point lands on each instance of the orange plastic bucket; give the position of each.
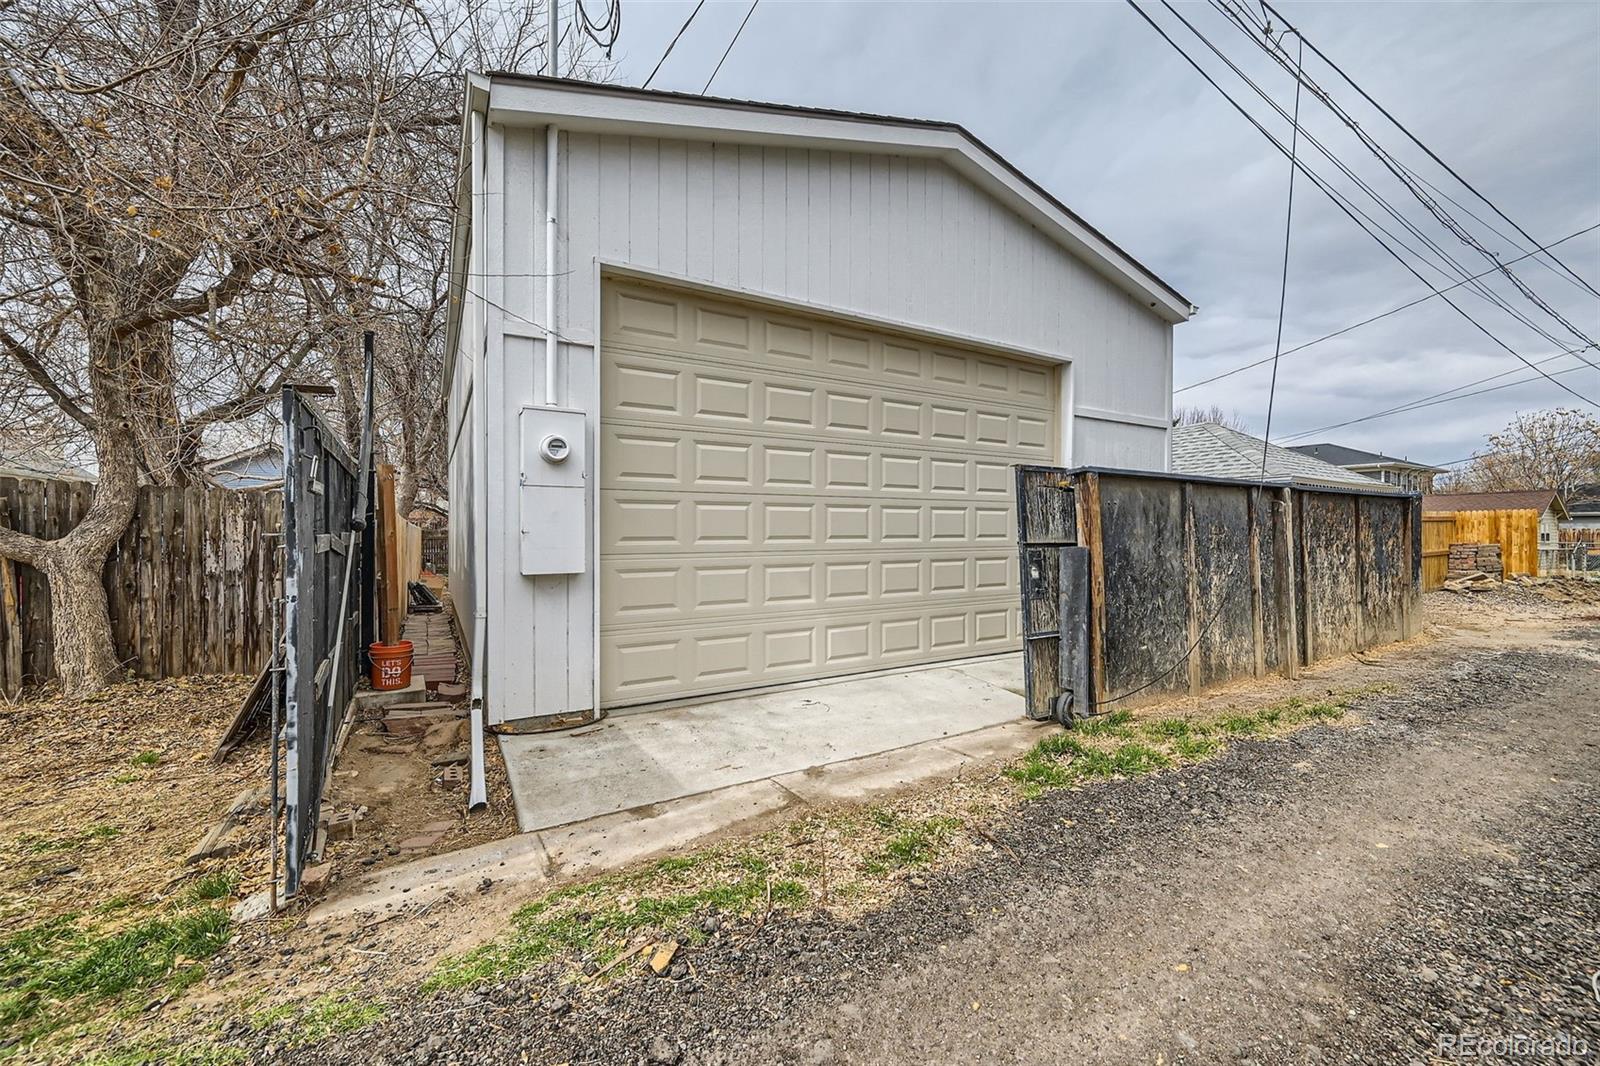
(391, 664)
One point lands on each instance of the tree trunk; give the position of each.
(85, 655)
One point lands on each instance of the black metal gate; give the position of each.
(327, 509)
(1055, 571)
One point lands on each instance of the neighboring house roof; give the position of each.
(257, 467)
(36, 464)
(1539, 500)
(1339, 455)
(1214, 450)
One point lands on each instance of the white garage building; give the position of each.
(796, 352)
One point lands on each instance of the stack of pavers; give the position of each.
(433, 648)
(1468, 559)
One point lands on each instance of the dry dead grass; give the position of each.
(104, 797)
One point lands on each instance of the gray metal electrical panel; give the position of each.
(553, 484)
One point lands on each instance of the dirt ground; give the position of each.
(1419, 863)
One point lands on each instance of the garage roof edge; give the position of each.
(578, 104)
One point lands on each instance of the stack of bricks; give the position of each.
(1469, 558)
(433, 647)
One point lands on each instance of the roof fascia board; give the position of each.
(476, 98)
(525, 103)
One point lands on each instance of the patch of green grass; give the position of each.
(1063, 759)
(602, 917)
(193, 1054)
(677, 864)
(315, 1020)
(41, 845)
(1114, 724)
(1169, 728)
(146, 759)
(918, 843)
(1240, 725)
(1133, 758)
(126, 779)
(217, 885)
(66, 960)
(1195, 748)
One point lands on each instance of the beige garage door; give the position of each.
(785, 498)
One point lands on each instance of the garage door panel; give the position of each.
(638, 457)
(675, 589)
(653, 390)
(667, 663)
(654, 522)
(715, 330)
(785, 498)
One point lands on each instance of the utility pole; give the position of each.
(552, 66)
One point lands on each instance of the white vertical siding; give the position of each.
(903, 240)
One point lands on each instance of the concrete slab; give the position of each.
(619, 839)
(872, 774)
(520, 858)
(637, 759)
(616, 840)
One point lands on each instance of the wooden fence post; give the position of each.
(1191, 565)
(1258, 623)
(1089, 536)
(391, 586)
(1286, 568)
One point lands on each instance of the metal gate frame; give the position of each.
(327, 609)
(1054, 579)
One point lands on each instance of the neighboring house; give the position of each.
(259, 467)
(1409, 475)
(1209, 449)
(799, 353)
(24, 462)
(1547, 502)
(1583, 508)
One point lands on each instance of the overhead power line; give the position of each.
(1439, 398)
(1452, 267)
(731, 43)
(1242, 19)
(1315, 180)
(1429, 151)
(1385, 314)
(1283, 282)
(673, 43)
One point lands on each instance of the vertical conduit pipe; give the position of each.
(478, 794)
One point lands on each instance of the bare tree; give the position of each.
(1557, 449)
(1196, 415)
(201, 200)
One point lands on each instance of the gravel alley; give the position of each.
(1404, 889)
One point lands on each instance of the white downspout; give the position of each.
(551, 337)
(551, 143)
(478, 794)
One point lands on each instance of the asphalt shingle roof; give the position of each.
(1339, 455)
(1524, 500)
(1212, 450)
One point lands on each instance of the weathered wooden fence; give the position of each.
(189, 583)
(436, 550)
(1193, 582)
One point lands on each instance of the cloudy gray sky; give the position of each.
(1096, 107)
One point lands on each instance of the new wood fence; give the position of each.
(1516, 531)
(189, 584)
